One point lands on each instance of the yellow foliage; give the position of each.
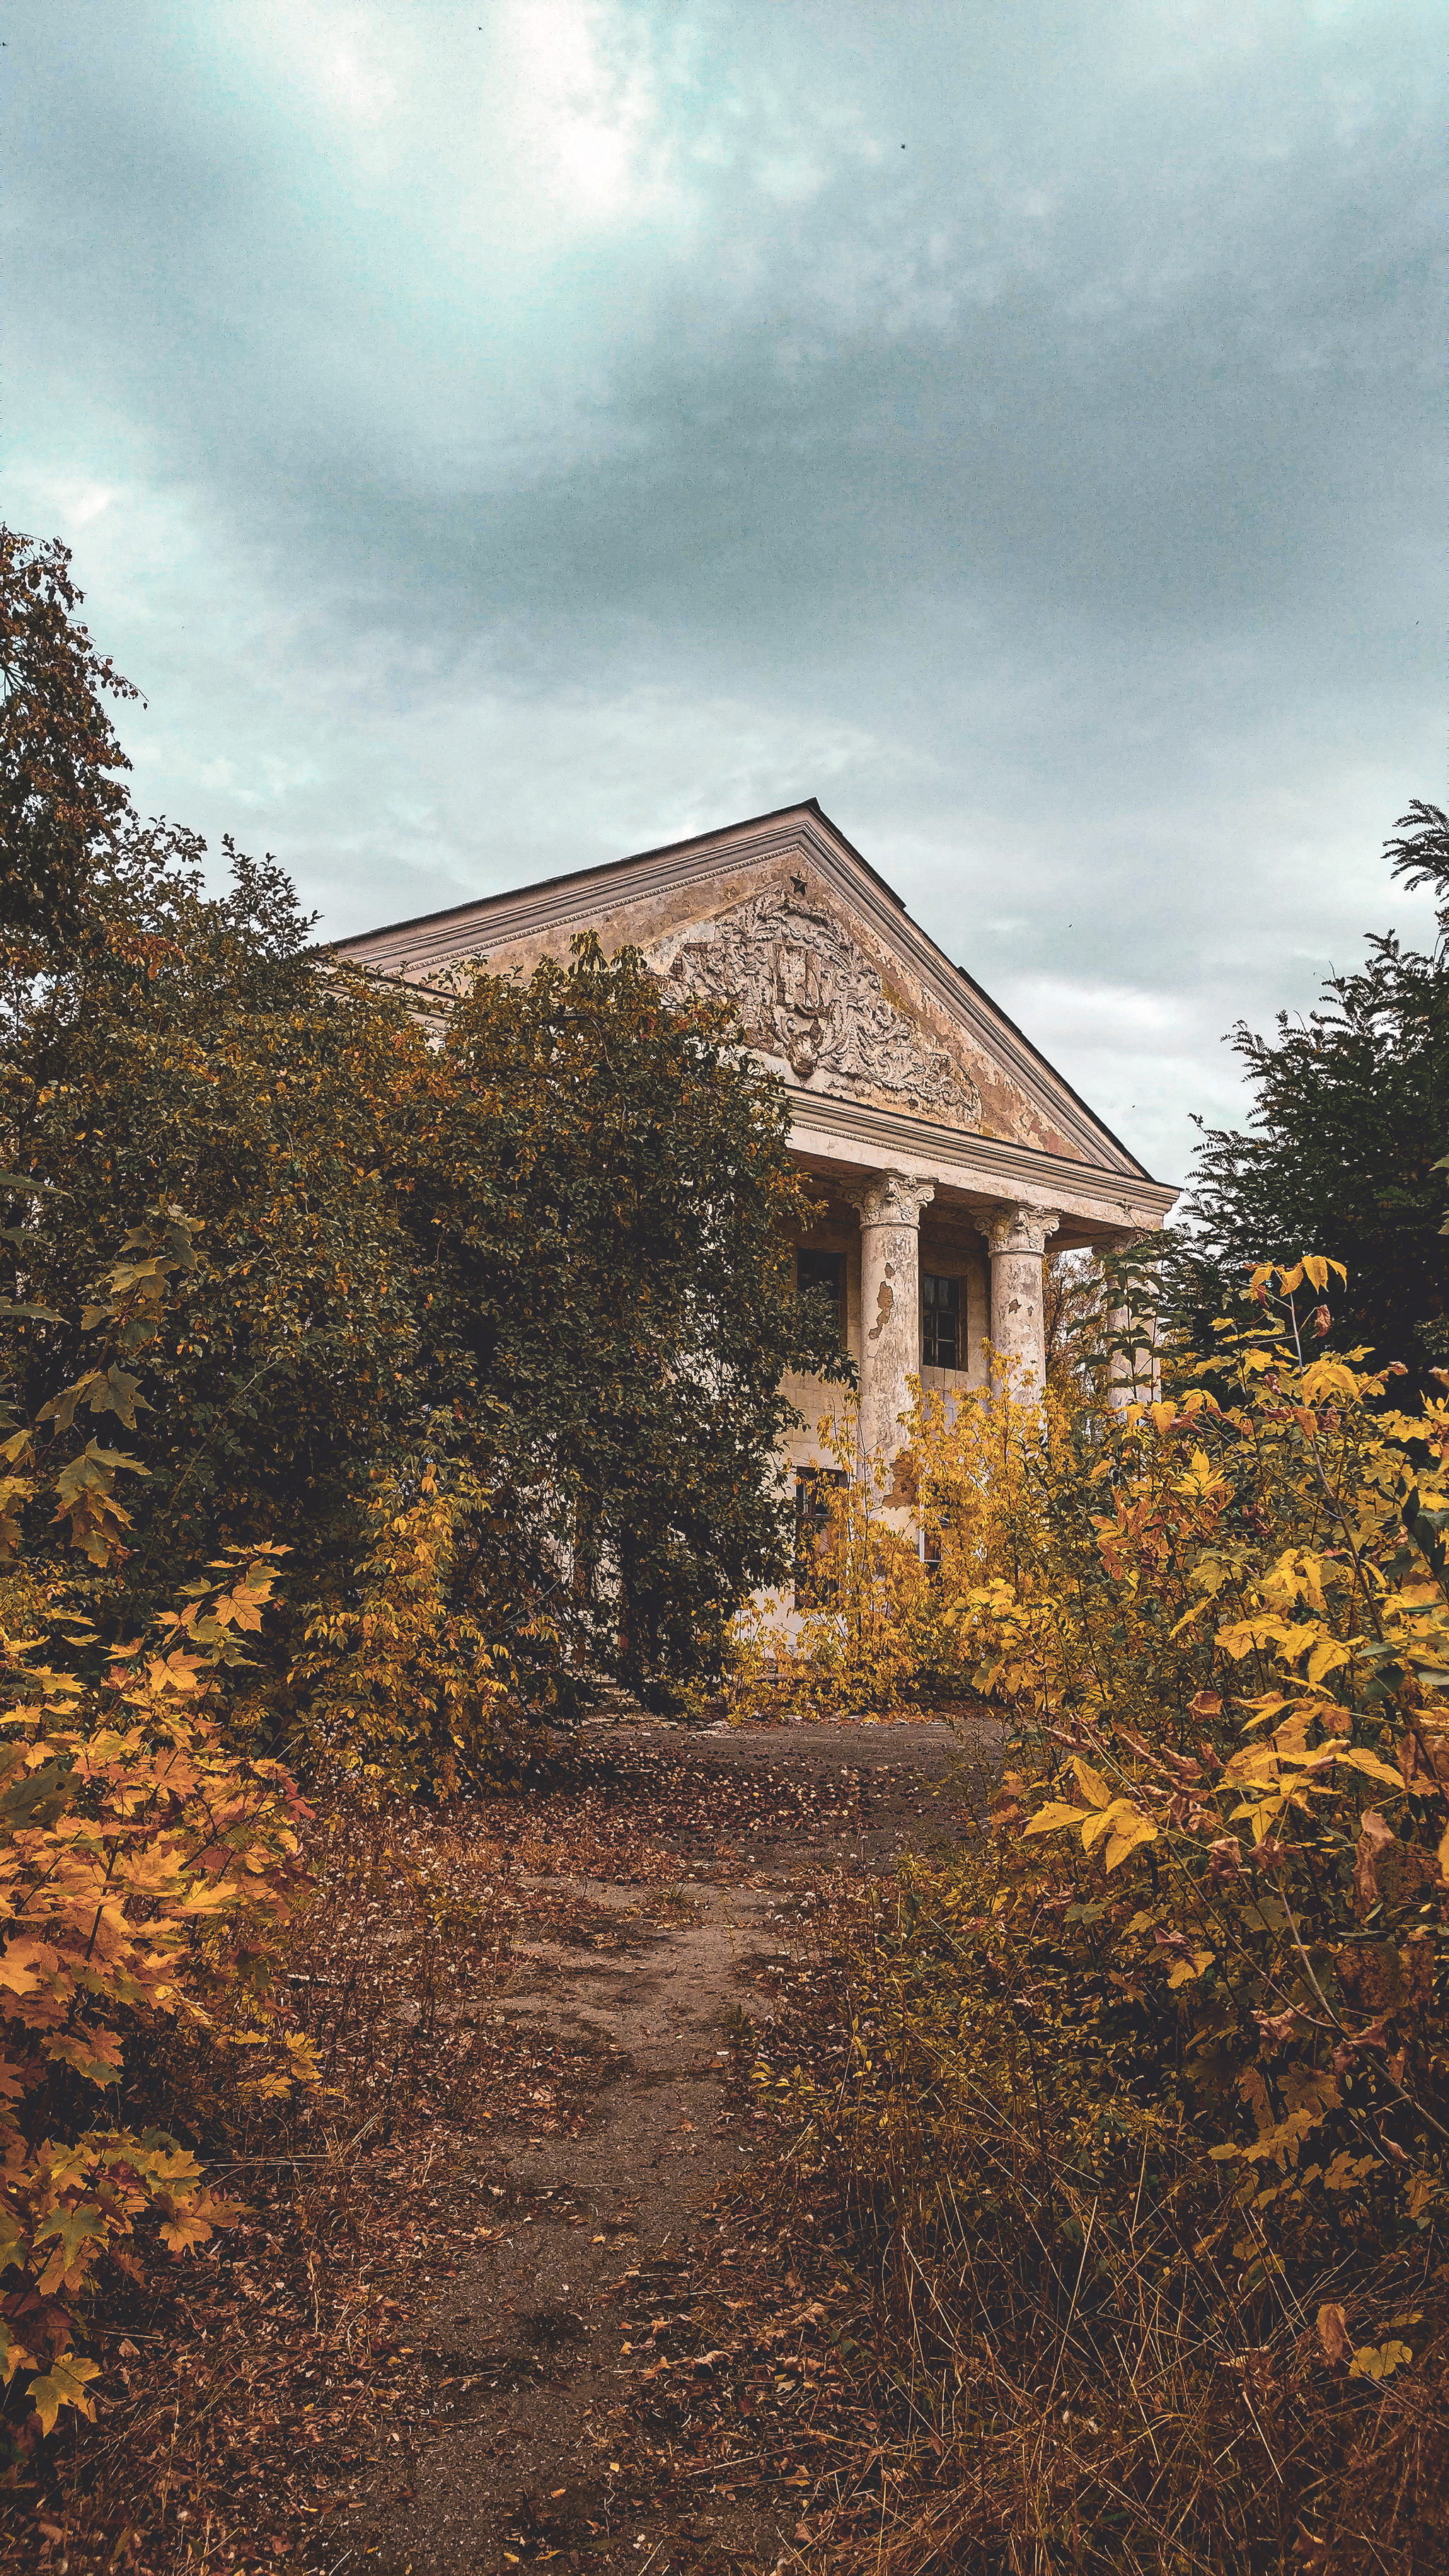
(882, 1613)
(397, 1686)
(1183, 1999)
(847, 1641)
(144, 1865)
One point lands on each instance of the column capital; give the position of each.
(889, 1198)
(1021, 1229)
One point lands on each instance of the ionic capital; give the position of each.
(1021, 1229)
(890, 1198)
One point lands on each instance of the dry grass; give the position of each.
(1058, 2365)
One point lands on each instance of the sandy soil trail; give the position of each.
(586, 2229)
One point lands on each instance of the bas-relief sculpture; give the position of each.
(810, 999)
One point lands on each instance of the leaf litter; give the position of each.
(270, 2396)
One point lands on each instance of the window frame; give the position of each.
(957, 1312)
(822, 1253)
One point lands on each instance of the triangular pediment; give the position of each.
(838, 989)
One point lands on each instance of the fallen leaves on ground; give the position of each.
(256, 2391)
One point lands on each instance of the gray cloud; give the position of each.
(496, 448)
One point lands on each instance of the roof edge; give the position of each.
(611, 867)
(1069, 1088)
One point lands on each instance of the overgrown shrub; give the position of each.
(874, 1616)
(1144, 2107)
(147, 1859)
(844, 1638)
(144, 1867)
(395, 1689)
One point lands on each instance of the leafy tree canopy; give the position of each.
(604, 1186)
(61, 795)
(1349, 1124)
(518, 1271)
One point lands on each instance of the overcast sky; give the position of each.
(500, 437)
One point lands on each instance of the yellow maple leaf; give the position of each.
(1326, 1657)
(1056, 1817)
(1201, 1479)
(1324, 1379)
(63, 2385)
(1365, 1761)
(23, 1963)
(209, 1898)
(1101, 1822)
(1187, 1969)
(186, 2229)
(1239, 1639)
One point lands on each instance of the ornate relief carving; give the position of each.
(809, 998)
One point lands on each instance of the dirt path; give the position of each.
(537, 2349)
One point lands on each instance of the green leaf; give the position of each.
(75, 2228)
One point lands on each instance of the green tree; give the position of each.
(193, 1056)
(604, 1190)
(533, 1272)
(1349, 1122)
(61, 794)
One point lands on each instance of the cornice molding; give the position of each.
(438, 940)
(982, 1166)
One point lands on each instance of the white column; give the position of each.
(1135, 1377)
(889, 1205)
(1018, 1238)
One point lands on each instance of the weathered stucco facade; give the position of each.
(947, 1153)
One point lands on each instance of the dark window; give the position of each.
(940, 1321)
(824, 1272)
(932, 1548)
(813, 1489)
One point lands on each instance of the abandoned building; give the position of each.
(950, 1157)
